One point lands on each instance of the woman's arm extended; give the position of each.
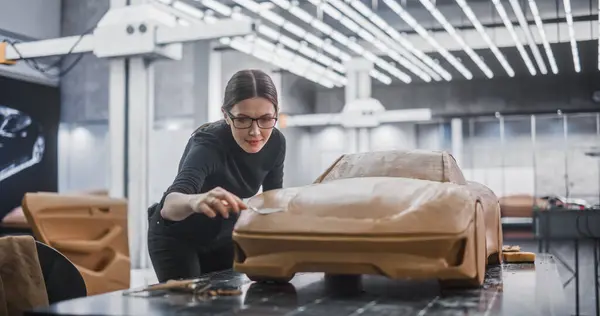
(199, 162)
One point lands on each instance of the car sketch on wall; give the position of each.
(21, 142)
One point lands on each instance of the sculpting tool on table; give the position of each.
(200, 286)
(181, 285)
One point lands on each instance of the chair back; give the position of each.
(63, 280)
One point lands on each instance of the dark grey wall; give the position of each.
(521, 94)
(517, 95)
(84, 90)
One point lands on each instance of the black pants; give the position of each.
(175, 256)
(173, 259)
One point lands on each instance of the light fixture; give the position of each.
(260, 48)
(525, 27)
(509, 27)
(310, 38)
(382, 24)
(540, 27)
(452, 31)
(471, 16)
(392, 4)
(355, 22)
(255, 49)
(574, 50)
(333, 34)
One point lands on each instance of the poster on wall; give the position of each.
(29, 120)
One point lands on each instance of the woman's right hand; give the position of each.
(217, 201)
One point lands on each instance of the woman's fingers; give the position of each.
(207, 210)
(231, 201)
(229, 198)
(240, 203)
(220, 201)
(220, 207)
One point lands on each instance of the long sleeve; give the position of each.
(202, 158)
(274, 179)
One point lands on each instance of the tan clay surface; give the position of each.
(520, 205)
(364, 206)
(397, 213)
(91, 231)
(519, 256)
(413, 164)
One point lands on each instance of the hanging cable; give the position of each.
(44, 69)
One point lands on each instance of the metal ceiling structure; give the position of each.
(414, 40)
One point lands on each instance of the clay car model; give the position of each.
(21, 142)
(401, 214)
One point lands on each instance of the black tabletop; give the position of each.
(509, 289)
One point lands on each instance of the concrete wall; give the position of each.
(16, 18)
(16, 25)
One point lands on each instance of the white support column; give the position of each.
(116, 120)
(215, 91)
(140, 122)
(364, 140)
(358, 87)
(457, 140)
(351, 141)
(117, 127)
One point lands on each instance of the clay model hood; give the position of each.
(364, 206)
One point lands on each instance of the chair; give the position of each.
(63, 280)
(91, 231)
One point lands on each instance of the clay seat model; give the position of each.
(401, 214)
(89, 230)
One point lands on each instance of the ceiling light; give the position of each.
(540, 27)
(419, 29)
(450, 29)
(372, 34)
(574, 49)
(344, 40)
(471, 16)
(513, 34)
(525, 27)
(375, 19)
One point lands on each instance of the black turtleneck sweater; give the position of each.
(213, 159)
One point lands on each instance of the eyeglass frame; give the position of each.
(233, 118)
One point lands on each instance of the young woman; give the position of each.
(224, 162)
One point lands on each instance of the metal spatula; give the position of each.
(265, 211)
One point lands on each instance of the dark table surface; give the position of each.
(509, 289)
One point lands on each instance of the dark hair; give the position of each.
(248, 84)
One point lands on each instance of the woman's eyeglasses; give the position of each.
(265, 122)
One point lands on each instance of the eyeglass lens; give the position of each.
(246, 122)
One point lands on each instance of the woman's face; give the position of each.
(251, 134)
